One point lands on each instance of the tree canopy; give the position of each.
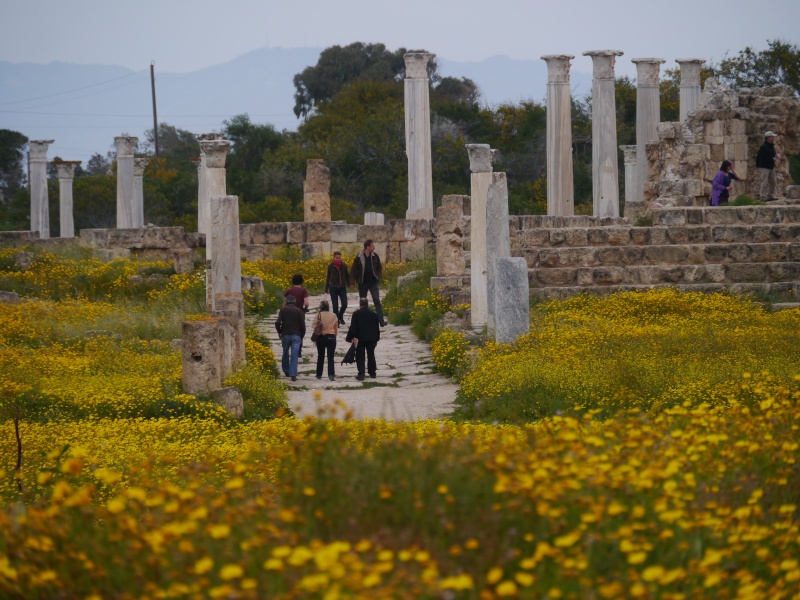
(779, 63)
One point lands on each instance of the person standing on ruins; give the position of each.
(364, 333)
(367, 271)
(291, 326)
(336, 281)
(765, 163)
(722, 184)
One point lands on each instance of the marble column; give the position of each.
(214, 152)
(126, 146)
(648, 115)
(498, 238)
(139, 165)
(203, 211)
(374, 218)
(560, 190)
(40, 209)
(690, 84)
(226, 268)
(480, 164)
(631, 176)
(66, 172)
(418, 136)
(605, 179)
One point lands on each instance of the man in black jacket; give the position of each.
(336, 281)
(765, 163)
(365, 331)
(367, 271)
(291, 326)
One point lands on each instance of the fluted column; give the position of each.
(690, 84)
(480, 163)
(203, 209)
(214, 152)
(66, 173)
(605, 178)
(126, 146)
(139, 165)
(40, 209)
(560, 190)
(631, 176)
(226, 268)
(418, 136)
(648, 115)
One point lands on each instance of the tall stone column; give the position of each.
(214, 153)
(648, 115)
(498, 238)
(66, 172)
(605, 179)
(316, 191)
(203, 209)
(139, 165)
(480, 163)
(126, 146)
(560, 190)
(690, 84)
(631, 175)
(226, 268)
(40, 209)
(418, 136)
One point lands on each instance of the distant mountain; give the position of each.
(82, 107)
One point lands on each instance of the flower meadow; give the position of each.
(635, 446)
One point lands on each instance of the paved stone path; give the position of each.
(405, 389)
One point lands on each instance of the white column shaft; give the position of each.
(226, 268)
(40, 208)
(498, 238)
(648, 115)
(137, 213)
(560, 187)
(214, 153)
(203, 210)
(418, 136)
(690, 84)
(125, 188)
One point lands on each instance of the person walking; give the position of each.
(722, 184)
(336, 281)
(329, 324)
(367, 271)
(299, 292)
(765, 163)
(365, 333)
(291, 326)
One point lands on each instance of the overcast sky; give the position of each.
(184, 36)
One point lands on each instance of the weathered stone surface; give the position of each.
(498, 242)
(251, 283)
(162, 237)
(226, 269)
(184, 260)
(376, 233)
(253, 252)
(20, 238)
(511, 299)
(202, 369)
(559, 276)
(296, 233)
(319, 232)
(344, 233)
(231, 306)
(23, 259)
(450, 259)
(746, 273)
(316, 207)
(607, 275)
(9, 297)
(230, 399)
(666, 254)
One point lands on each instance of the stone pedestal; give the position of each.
(605, 179)
(40, 209)
(511, 299)
(560, 189)
(480, 163)
(316, 191)
(231, 306)
(450, 259)
(418, 136)
(183, 260)
(231, 400)
(373, 218)
(203, 193)
(690, 84)
(631, 181)
(648, 115)
(214, 151)
(202, 368)
(498, 239)
(139, 165)
(226, 270)
(66, 173)
(126, 146)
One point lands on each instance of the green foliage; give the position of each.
(12, 155)
(779, 63)
(744, 200)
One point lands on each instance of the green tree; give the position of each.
(12, 160)
(779, 63)
(250, 142)
(175, 145)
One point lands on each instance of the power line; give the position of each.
(22, 112)
(86, 95)
(68, 91)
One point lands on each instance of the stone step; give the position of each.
(727, 215)
(656, 235)
(786, 274)
(547, 222)
(672, 254)
(781, 289)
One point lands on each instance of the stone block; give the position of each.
(125, 238)
(695, 216)
(698, 235)
(693, 187)
(548, 258)
(402, 229)
(461, 202)
(597, 236)
(391, 252)
(576, 237)
(316, 207)
(318, 231)
(447, 282)
(669, 217)
(109, 254)
(678, 235)
(793, 192)
(746, 273)
(791, 214)
(97, 238)
(768, 252)
(201, 352)
(640, 235)
(163, 237)
(557, 236)
(376, 233)
(666, 254)
(296, 233)
(511, 299)
(659, 236)
(413, 250)
(784, 271)
(697, 255)
(316, 249)
(531, 257)
(527, 238)
(794, 252)
(556, 276)
(576, 257)
(762, 214)
(608, 275)
(9, 297)
(342, 232)
(730, 234)
(254, 252)
(183, 261)
(619, 236)
(273, 233)
(231, 400)
(584, 277)
(246, 233)
(194, 239)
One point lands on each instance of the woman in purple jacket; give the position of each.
(721, 186)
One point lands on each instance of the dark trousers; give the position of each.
(372, 288)
(339, 293)
(369, 348)
(326, 342)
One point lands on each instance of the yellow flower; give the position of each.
(204, 565)
(231, 571)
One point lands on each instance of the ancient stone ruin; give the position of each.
(316, 191)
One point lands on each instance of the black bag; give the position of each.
(317, 333)
(350, 357)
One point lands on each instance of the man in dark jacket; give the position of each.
(291, 326)
(367, 271)
(765, 163)
(336, 281)
(366, 332)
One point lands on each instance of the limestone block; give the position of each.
(666, 254)
(619, 236)
(402, 230)
(23, 259)
(97, 238)
(531, 257)
(163, 237)
(791, 214)
(607, 275)
(392, 252)
(763, 214)
(194, 239)
(698, 234)
(274, 233)
(584, 277)
(678, 235)
(109, 254)
(450, 259)
(784, 271)
(658, 235)
(183, 262)
(769, 252)
(669, 217)
(125, 238)
(793, 192)
(575, 257)
(373, 218)
(316, 249)
(532, 237)
(318, 176)
(794, 252)
(246, 234)
(548, 258)
(295, 233)
(556, 276)
(254, 252)
(449, 281)
(597, 237)
(231, 400)
(557, 236)
(316, 207)
(697, 255)
(425, 227)
(766, 233)
(231, 306)
(746, 273)
(376, 233)
(344, 233)
(511, 299)
(412, 250)
(576, 237)
(252, 283)
(202, 370)
(730, 233)
(225, 332)
(318, 232)
(739, 253)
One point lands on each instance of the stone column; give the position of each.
(449, 235)
(214, 152)
(66, 172)
(690, 84)
(203, 210)
(418, 136)
(560, 189)
(512, 299)
(631, 175)
(480, 163)
(225, 273)
(40, 209)
(373, 218)
(648, 115)
(138, 191)
(316, 191)
(126, 146)
(201, 356)
(605, 179)
(498, 238)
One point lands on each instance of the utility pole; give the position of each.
(155, 114)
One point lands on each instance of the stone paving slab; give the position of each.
(405, 389)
